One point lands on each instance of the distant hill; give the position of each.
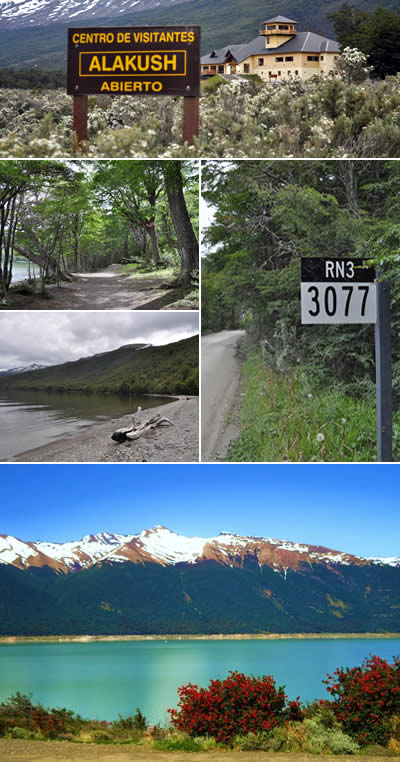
(23, 43)
(131, 369)
(157, 581)
(25, 369)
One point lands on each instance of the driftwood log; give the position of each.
(137, 429)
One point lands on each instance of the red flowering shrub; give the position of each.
(235, 706)
(51, 723)
(365, 699)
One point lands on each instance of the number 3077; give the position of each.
(338, 303)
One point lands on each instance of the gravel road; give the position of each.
(176, 444)
(57, 751)
(108, 289)
(220, 373)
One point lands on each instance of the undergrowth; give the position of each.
(284, 417)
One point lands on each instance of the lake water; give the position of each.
(21, 269)
(101, 680)
(33, 418)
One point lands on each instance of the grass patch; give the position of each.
(211, 84)
(142, 271)
(284, 418)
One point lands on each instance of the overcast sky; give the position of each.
(50, 338)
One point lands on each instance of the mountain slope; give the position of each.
(134, 368)
(157, 581)
(223, 22)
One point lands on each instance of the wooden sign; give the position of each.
(149, 60)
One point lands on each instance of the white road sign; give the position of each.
(337, 291)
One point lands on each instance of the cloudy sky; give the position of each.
(50, 338)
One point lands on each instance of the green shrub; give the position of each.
(21, 733)
(309, 737)
(135, 722)
(260, 741)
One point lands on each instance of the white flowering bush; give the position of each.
(353, 64)
(319, 117)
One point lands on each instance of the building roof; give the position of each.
(303, 42)
(279, 20)
(220, 55)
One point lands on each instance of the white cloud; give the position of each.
(55, 337)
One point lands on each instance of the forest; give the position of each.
(133, 222)
(309, 390)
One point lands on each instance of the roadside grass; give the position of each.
(283, 418)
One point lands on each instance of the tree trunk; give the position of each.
(42, 262)
(154, 243)
(187, 241)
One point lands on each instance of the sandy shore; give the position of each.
(12, 639)
(176, 444)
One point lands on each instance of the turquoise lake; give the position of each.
(101, 680)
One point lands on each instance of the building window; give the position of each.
(246, 68)
(321, 58)
(267, 40)
(288, 58)
(283, 26)
(335, 58)
(271, 27)
(297, 72)
(260, 62)
(221, 69)
(289, 73)
(280, 58)
(312, 58)
(279, 74)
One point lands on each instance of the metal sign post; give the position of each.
(345, 291)
(383, 361)
(146, 60)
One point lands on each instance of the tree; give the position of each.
(187, 241)
(16, 180)
(375, 34)
(133, 188)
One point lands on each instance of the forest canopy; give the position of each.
(78, 216)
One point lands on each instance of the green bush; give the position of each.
(309, 737)
(21, 733)
(135, 722)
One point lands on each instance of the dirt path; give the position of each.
(176, 444)
(109, 289)
(53, 751)
(219, 385)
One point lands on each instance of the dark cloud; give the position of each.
(56, 337)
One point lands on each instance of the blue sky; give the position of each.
(353, 508)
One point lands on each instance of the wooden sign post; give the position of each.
(148, 60)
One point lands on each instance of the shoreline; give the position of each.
(177, 443)
(15, 639)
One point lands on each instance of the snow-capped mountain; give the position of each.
(25, 369)
(35, 12)
(166, 548)
(157, 581)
